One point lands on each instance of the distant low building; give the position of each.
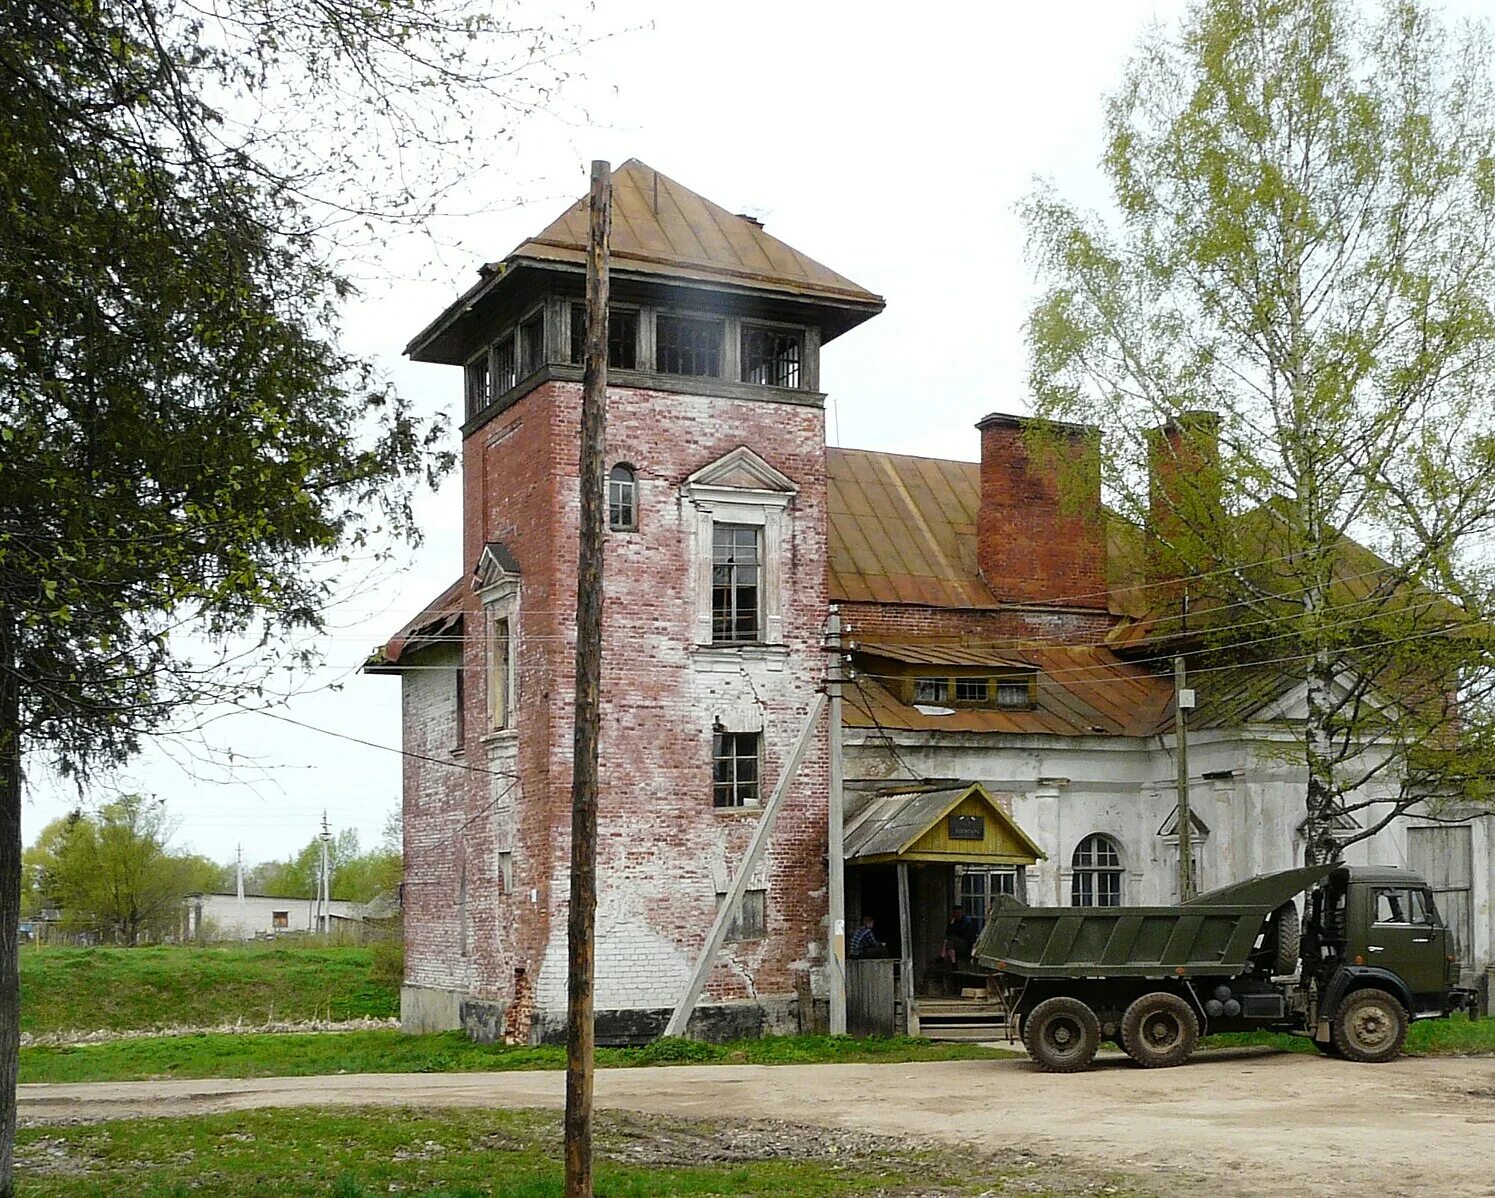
(231, 917)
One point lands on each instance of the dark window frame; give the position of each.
(735, 784)
(684, 355)
(530, 336)
(622, 348)
(478, 382)
(503, 364)
(774, 370)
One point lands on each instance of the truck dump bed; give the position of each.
(1210, 936)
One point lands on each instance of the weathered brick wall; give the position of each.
(664, 850)
(891, 621)
(1040, 537)
(436, 801)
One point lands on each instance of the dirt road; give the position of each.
(1247, 1122)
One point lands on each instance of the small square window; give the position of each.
(931, 690)
(735, 769)
(687, 346)
(751, 920)
(622, 337)
(971, 690)
(771, 356)
(280, 919)
(532, 344)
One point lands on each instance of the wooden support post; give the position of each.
(835, 852)
(728, 908)
(906, 950)
(580, 1032)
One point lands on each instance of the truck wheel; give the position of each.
(1370, 1027)
(1061, 1035)
(1289, 925)
(1159, 1030)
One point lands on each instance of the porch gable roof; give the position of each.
(907, 824)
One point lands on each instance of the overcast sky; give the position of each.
(891, 142)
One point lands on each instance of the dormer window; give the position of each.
(688, 345)
(1009, 692)
(771, 357)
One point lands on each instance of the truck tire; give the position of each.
(1370, 1027)
(1289, 943)
(1061, 1035)
(1159, 1030)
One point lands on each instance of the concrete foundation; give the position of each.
(425, 1009)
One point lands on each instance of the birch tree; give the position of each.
(1284, 327)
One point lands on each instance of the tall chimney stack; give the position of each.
(1183, 458)
(1040, 535)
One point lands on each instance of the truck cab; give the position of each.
(1377, 927)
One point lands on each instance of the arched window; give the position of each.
(1097, 873)
(622, 499)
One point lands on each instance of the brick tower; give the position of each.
(715, 584)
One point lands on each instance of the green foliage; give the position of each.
(66, 989)
(356, 875)
(296, 1055)
(1297, 282)
(113, 876)
(446, 1153)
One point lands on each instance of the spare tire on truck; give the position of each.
(1061, 1035)
(1159, 1030)
(1289, 944)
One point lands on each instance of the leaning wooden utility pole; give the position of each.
(588, 705)
(835, 812)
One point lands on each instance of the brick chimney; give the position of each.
(1183, 459)
(1040, 537)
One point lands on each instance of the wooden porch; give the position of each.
(910, 854)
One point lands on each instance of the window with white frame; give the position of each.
(740, 539)
(1096, 877)
(622, 499)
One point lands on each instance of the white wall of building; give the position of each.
(228, 917)
(1244, 787)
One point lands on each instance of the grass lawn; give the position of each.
(513, 1154)
(68, 989)
(1456, 1036)
(289, 1055)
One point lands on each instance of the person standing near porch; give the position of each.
(864, 941)
(960, 935)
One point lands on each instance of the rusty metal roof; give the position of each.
(941, 653)
(662, 227)
(903, 530)
(438, 623)
(1086, 691)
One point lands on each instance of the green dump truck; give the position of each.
(1366, 956)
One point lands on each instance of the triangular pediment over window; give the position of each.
(741, 470)
(1170, 825)
(496, 568)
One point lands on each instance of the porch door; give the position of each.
(1444, 856)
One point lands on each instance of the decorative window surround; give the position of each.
(739, 488)
(496, 581)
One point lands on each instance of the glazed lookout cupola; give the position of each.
(703, 300)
